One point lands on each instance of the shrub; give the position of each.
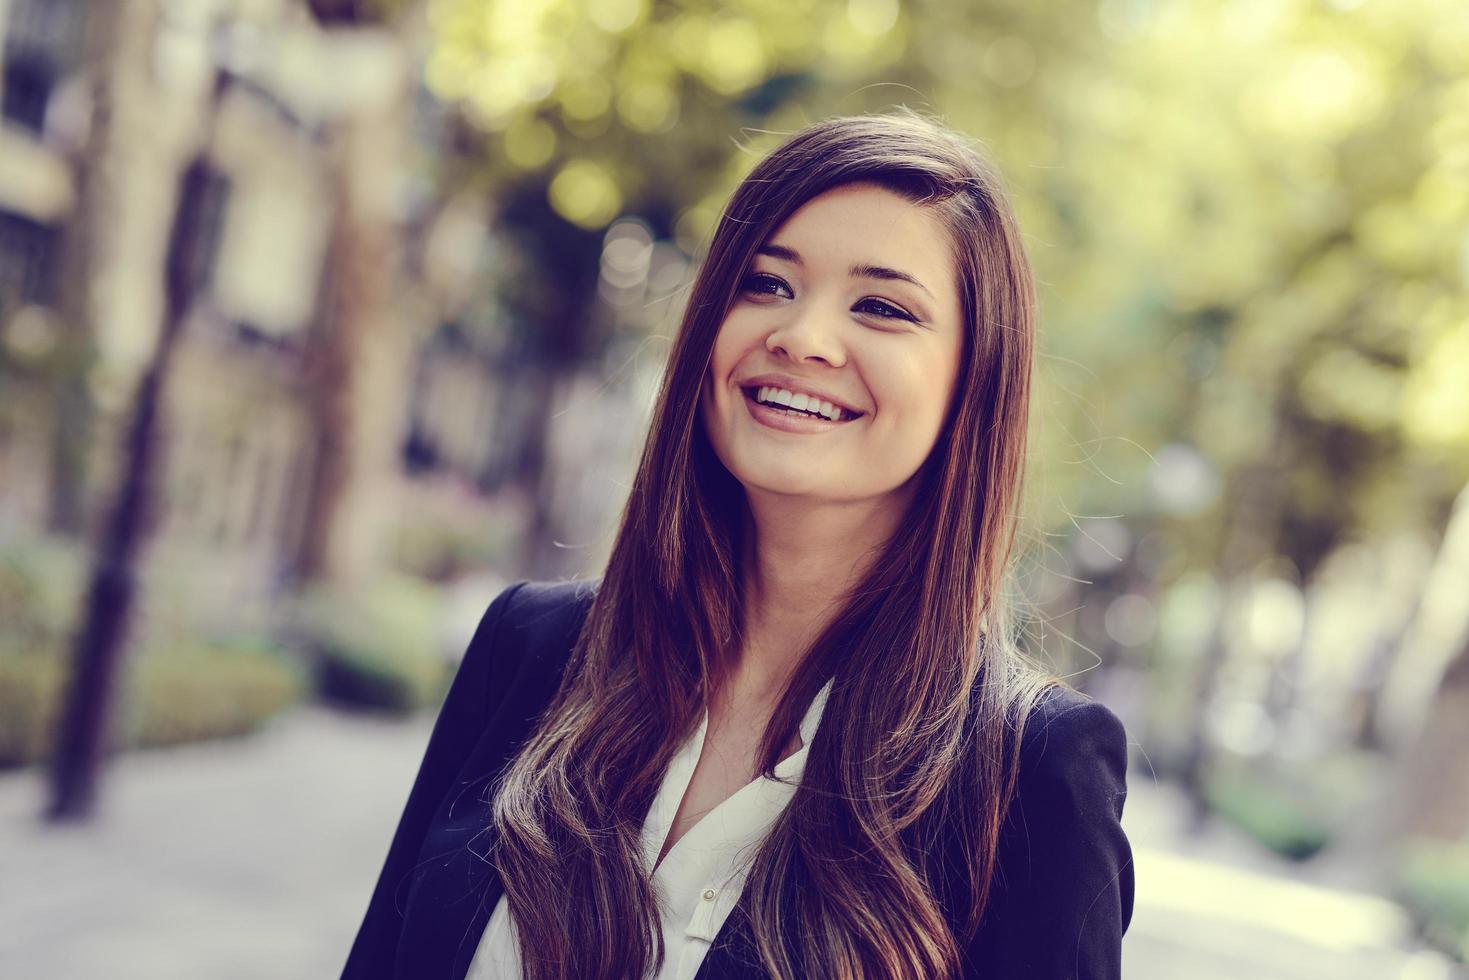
(217, 691)
(374, 647)
(184, 695)
(41, 580)
(1276, 816)
(30, 700)
(174, 689)
(1433, 882)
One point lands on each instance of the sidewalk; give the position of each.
(239, 860)
(254, 859)
(1219, 907)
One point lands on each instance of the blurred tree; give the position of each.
(358, 362)
(1235, 264)
(582, 113)
(100, 646)
(356, 357)
(99, 643)
(1435, 798)
(356, 13)
(1228, 259)
(1423, 713)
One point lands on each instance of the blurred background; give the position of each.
(321, 321)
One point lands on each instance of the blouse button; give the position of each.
(708, 894)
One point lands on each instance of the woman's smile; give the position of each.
(786, 418)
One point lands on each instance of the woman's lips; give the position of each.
(789, 421)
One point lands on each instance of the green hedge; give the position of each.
(30, 699)
(212, 692)
(1276, 816)
(374, 646)
(184, 695)
(1433, 882)
(41, 582)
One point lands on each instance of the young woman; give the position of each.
(788, 732)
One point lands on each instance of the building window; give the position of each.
(28, 252)
(29, 79)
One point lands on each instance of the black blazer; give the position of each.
(1059, 904)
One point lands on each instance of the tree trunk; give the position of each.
(1433, 638)
(563, 330)
(1434, 800)
(1248, 535)
(359, 367)
(1424, 710)
(100, 646)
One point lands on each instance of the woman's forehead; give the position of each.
(865, 223)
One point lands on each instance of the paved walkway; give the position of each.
(253, 859)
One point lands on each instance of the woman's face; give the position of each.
(853, 301)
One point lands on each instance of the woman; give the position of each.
(788, 733)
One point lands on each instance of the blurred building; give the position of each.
(330, 348)
(41, 45)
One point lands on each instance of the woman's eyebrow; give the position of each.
(883, 272)
(780, 252)
(860, 271)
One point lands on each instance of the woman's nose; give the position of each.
(809, 334)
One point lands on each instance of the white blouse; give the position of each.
(702, 875)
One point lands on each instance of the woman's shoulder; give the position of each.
(530, 604)
(1063, 891)
(1065, 724)
(532, 622)
(542, 613)
(1073, 754)
(1064, 822)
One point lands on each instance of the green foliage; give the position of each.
(175, 689)
(1226, 256)
(193, 694)
(40, 588)
(628, 103)
(374, 647)
(1433, 882)
(1276, 815)
(1292, 295)
(377, 680)
(174, 696)
(30, 701)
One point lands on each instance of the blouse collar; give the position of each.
(812, 719)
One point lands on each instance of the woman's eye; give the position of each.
(883, 309)
(764, 283)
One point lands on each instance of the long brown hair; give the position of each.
(920, 735)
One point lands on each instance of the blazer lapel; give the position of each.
(465, 891)
(733, 955)
(454, 888)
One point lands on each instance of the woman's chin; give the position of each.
(792, 485)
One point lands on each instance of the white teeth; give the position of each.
(802, 402)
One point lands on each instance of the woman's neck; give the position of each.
(801, 559)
